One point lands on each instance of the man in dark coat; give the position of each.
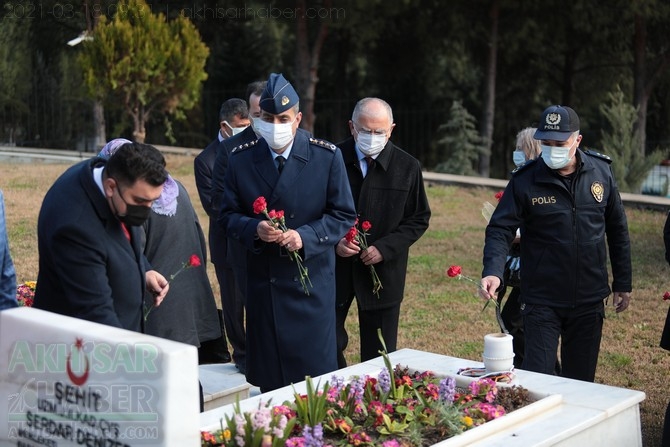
(91, 264)
(233, 120)
(570, 214)
(388, 190)
(665, 335)
(290, 333)
(233, 252)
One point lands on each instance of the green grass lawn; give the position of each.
(441, 314)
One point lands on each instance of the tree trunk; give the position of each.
(645, 82)
(307, 64)
(640, 99)
(99, 125)
(99, 133)
(139, 123)
(486, 129)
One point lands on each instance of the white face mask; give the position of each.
(370, 144)
(277, 135)
(519, 157)
(556, 157)
(254, 124)
(234, 130)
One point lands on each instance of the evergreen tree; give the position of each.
(146, 63)
(621, 142)
(460, 144)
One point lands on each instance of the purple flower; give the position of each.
(447, 389)
(384, 381)
(261, 418)
(336, 386)
(357, 389)
(313, 436)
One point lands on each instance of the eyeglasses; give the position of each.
(364, 131)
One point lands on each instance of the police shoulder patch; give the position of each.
(244, 146)
(598, 155)
(323, 143)
(523, 166)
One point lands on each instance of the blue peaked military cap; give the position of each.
(278, 96)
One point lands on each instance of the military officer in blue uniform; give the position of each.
(290, 334)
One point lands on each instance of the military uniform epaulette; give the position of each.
(598, 155)
(523, 166)
(322, 143)
(244, 146)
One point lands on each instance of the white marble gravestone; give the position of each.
(70, 382)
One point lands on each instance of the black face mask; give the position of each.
(135, 215)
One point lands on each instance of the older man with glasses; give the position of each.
(388, 191)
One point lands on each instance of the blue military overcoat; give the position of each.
(289, 334)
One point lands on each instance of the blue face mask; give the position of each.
(556, 157)
(519, 157)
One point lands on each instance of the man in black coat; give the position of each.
(233, 120)
(571, 216)
(387, 186)
(234, 253)
(91, 264)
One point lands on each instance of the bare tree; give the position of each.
(307, 62)
(489, 93)
(645, 77)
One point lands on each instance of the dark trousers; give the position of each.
(513, 320)
(202, 397)
(232, 303)
(579, 330)
(368, 321)
(665, 440)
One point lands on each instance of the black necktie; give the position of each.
(370, 162)
(280, 163)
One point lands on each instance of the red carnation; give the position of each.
(454, 271)
(194, 261)
(499, 195)
(354, 235)
(276, 218)
(666, 296)
(260, 205)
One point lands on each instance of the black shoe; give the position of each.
(213, 351)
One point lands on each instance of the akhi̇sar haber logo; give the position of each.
(78, 380)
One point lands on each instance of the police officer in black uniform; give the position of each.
(568, 208)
